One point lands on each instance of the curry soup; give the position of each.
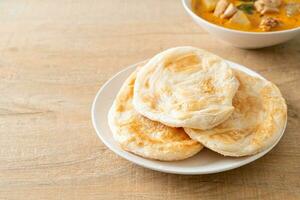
(247, 17)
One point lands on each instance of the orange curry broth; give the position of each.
(286, 22)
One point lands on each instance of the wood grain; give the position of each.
(54, 56)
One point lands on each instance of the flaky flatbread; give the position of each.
(144, 137)
(256, 124)
(185, 87)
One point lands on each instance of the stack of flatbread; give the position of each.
(185, 98)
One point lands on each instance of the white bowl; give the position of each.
(205, 162)
(242, 39)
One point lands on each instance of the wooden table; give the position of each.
(55, 55)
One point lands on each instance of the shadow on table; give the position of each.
(291, 45)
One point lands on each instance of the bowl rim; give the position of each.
(192, 14)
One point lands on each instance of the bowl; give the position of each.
(242, 39)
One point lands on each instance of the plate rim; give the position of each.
(163, 169)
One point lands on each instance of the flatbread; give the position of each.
(185, 87)
(256, 124)
(144, 137)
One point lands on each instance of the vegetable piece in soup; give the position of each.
(240, 19)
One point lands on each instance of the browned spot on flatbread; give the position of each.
(143, 128)
(151, 101)
(147, 84)
(207, 86)
(189, 62)
(120, 108)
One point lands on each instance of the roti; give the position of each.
(142, 136)
(256, 124)
(185, 87)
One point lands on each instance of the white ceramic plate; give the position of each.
(205, 162)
